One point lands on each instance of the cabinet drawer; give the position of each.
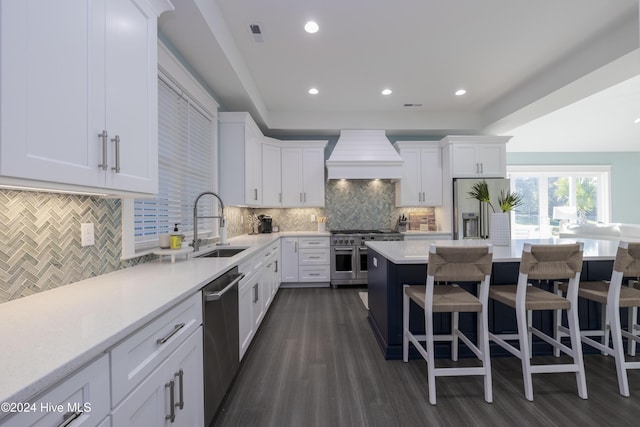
(310, 273)
(313, 242)
(249, 266)
(139, 354)
(313, 257)
(84, 395)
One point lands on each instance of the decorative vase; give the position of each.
(500, 228)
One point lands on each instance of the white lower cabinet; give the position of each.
(172, 395)
(256, 292)
(306, 261)
(157, 372)
(81, 399)
(245, 313)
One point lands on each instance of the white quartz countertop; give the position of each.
(46, 336)
(416, 251)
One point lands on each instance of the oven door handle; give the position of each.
(215, 296)
(343, 249)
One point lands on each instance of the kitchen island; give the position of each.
(392, 264)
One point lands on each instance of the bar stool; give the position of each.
(544, 262)
(451, 264)
(612, 295)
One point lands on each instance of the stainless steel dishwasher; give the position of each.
(221, 347)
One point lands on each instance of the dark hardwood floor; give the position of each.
(315, 362)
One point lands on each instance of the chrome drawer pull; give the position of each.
(176, 328)
(70, 417)
(104, 164)
(116, 141)
(180, 375)
(172, 401)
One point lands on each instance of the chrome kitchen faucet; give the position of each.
(223, 221)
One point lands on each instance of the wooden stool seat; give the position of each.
(537, 299)
(446, 299)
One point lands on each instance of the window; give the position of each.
(555, 196)
(187, 147)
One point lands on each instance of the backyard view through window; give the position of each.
(554, 197)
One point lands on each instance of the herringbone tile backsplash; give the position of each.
(40, 232)
(40, 241)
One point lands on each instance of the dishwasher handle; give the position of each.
(215, 296)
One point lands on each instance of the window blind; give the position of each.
(185, 169)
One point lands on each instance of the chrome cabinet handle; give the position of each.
(176, 328)
(69, 417)
(305, 197)
(481, 167)
(180, 375)
(276, 269)
(300, 197)
(255, 194)
(280, 197)
(171, 385)
(255, 293)
(116, 140)
(295, 247)
(104, 166)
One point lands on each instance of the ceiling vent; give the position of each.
(364, 154)
(256, 32)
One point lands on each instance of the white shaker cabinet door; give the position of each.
(50, 72)
(271, 176)
(292, 185)
(313, 176)
(131, 95)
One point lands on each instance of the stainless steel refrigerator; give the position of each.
(470, 217)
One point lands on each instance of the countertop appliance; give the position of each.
(470, 217)
(266, 224)
(349, 254)
(221, 339)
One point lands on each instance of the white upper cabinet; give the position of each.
(240, 145)
(421, 183)
(303, 174)
(271, 174)
(71, 71)
(477, 156)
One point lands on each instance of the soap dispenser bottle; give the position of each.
(176, 237)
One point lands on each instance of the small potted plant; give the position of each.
(499, 225)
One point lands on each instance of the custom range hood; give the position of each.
(364, 154)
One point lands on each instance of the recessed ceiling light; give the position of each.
(387, 92)
(314, 91)
(460, 92)
(311, 27)
(636, 121)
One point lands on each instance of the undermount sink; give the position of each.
(223, 253)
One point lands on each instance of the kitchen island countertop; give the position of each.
(416, 251)
(49, 335)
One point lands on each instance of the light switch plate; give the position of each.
(87, 236)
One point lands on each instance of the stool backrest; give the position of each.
(460, 263)
(551, 262)
(628, 259)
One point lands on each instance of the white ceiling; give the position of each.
(558, 75)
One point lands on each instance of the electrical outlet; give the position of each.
(87, 235)
(313, 218)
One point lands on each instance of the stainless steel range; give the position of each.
(349, 254)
